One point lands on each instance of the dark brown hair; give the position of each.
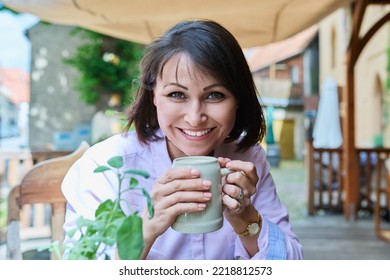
(213, 49)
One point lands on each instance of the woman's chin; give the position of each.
(199, 153)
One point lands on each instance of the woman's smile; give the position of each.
(195, 111)
(196, 134)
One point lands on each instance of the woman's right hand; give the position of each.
(179, 190)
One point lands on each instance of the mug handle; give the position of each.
(225, 171)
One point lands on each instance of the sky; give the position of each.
(14, 46)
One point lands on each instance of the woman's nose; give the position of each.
(195, 115)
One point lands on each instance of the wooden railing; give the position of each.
(382, 209)
(325, 179)
(373, 177)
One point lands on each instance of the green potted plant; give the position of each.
(111, 226)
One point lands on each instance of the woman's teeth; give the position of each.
(196, 133)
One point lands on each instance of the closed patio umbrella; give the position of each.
(327, 127)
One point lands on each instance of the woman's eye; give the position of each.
(215, 96)
(176, 95)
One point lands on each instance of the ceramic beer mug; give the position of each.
(211, 218)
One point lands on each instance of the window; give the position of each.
(294, 73)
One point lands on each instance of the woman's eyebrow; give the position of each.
(211, 86)
(176, 84)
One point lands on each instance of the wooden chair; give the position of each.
(42, 184)
(382, 228)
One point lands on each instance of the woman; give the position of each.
(196, 97)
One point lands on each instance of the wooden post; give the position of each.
(351, 160)
(310, 176)
(350, 156)
(58, 218)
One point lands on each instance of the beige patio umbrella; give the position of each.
(253, 22)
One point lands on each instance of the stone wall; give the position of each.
(56, 111)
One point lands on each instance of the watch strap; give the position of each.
(246, 231)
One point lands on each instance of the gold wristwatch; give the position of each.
(252, 228)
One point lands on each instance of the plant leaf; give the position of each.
(82, 222)
(116, 162)
(107, 210)
(133, 183)
(105, 206)
(130, 240)
(72, 232)
(149, 202)
(137, 172)
(101, 169)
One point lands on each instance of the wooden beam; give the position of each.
(370, 33)
(379, 2)
(350, 156)
(358, 14)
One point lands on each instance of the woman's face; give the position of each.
(195, 111)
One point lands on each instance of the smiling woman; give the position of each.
(196, 97)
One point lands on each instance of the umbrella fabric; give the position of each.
(327, 129)
(252, 22)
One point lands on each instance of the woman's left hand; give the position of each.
(238, 186)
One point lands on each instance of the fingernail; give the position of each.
(202, 205)
(195, 172)
(207, 194)
(206, 183)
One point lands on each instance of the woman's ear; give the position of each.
(154, 98)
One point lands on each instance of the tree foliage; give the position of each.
(106, 65)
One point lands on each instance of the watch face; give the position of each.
(253, 229)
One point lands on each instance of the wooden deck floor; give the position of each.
(325, 236)
(331, 237)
